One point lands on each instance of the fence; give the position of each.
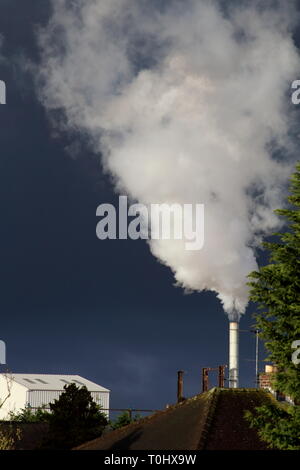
(130, 411)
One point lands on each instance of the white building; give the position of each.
(36, 390)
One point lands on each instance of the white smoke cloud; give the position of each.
(186, 105)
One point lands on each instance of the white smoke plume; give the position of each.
(186, 103)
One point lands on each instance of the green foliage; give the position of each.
(276, 425)
(9, 437)
(276, 289)
(75, 418)
(124, 419)
(28, 415)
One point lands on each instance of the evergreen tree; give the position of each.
(276, 289)
(75, 418)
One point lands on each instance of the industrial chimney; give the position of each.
(233, 354)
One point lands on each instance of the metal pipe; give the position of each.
(221, 376)
(256, 359)
(233, 354)
(204, 379)
(180, 385)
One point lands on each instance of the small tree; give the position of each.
(8, 435)
(28, 415)
(9, 380)
(276, 289)
(124, 419)
(75, 418)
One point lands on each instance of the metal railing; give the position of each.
(129, 410)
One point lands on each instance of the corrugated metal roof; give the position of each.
(55, 382)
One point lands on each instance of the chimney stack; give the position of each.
(180, 386)
(233, 354)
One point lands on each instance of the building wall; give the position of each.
(102, 399)
(38, 398)
(265, 381)
(20, 397)
(17, 399)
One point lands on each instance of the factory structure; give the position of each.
(19, 391)
(233, 354)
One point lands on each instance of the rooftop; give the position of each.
(54, 382)
(213, 420)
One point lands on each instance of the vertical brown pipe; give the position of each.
(180, 385)
(204, 379)
(221, 376)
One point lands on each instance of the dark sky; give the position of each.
(70, 303)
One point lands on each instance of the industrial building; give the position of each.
(18, 391)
